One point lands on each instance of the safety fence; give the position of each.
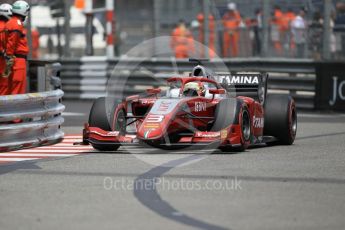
(87, 78)
(293, 43)
(30, 120)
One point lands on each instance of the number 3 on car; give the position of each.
(153, 118)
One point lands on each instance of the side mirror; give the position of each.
(216, 91)
(153, 91)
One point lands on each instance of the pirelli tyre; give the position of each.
(239, 115)
(99, 118)
(280, 119)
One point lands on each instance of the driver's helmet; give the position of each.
(194, 89)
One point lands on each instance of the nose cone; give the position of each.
(150, 131)
(152, 134)
(158, 120)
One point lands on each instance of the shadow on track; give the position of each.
(149, 197)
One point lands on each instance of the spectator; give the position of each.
(333, 39)
(5, 15)
(289, 43)
(275, 36)
(17, 47)
(279, 23)
(35, 43)
(315, 35)
(339, 27)
(231, 23)
(212, 34)
(182, 42)
(289, 16)
(298, 29)
(257, 27)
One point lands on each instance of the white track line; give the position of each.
(48, 151)
(35, 155)
(17, 159)
(62, 149)
(71, 140)
(71, 114)
(74, 137)
(71, 147)
(315, 115)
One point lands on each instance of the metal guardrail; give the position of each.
(38, 118)
(86, 78)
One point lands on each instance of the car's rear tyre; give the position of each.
(280, 119)
(98, 118)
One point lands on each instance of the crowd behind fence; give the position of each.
(309, 45)
(290, 33)
(137, 21)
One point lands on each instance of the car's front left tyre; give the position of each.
(99, 118)
(226, 114)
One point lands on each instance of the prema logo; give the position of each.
(337, 91)
(233, 80)
(258, 122)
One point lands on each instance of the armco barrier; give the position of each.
(38, 118)
(86, 78)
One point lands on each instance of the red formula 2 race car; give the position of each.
(230, 112)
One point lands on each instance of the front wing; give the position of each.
(230, 137)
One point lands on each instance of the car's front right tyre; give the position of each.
(281, 118)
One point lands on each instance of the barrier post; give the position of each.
(41, 79)
(109, 5)
(327, 30)
(89, 27)
(67, 28)
(206, 9)
(265, 27)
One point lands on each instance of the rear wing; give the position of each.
(249, 85)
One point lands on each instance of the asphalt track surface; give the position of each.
(281, 187)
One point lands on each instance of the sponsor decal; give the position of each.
(151, 125)
(223, 134)
(240, 79)
(200, 106)
(338, 91)
(207, 134)
(146, 134)
(113, 133)
(163, 106)
(258, 122)
(154, 118)
(146, 101)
